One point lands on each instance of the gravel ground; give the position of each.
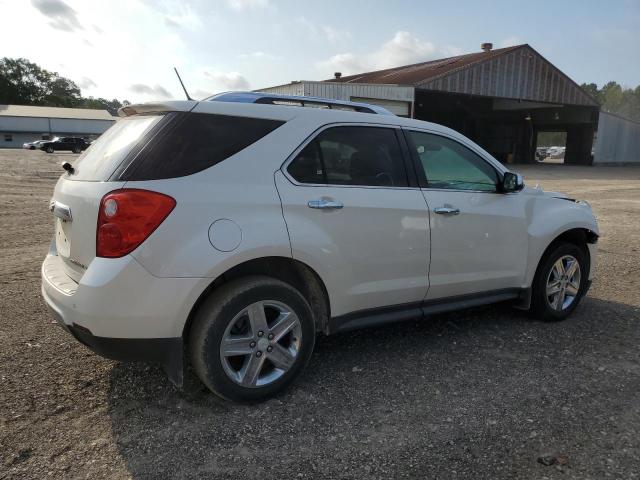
(486, 393)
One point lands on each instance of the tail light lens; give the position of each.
(127, 217)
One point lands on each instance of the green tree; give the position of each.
(25, 83)
(611, 95)
(592, 89)
(616, 99)
(22, 82)
(111, 106)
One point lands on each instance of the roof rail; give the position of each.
(296, 101)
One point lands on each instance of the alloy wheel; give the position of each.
(563, 283)
(261, 343)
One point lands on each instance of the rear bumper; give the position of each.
(118, 298)
(122, 312)
(157, 350)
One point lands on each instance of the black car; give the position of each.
(72, 144)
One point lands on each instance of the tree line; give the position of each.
(616, 99)
(25, 83)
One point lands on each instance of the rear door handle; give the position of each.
(447, 210)
(325, 204)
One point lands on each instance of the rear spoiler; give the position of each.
(171, 106)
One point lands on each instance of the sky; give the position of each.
(126, 49)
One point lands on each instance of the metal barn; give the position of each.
(499, 98)
(21, 123)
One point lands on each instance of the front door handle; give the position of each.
(325, 204)
(447, 210)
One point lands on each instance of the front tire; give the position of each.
(560, 282)
(251, 338)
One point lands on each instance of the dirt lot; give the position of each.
(479, 394)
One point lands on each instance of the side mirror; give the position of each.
(512, 182)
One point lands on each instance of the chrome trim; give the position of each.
(486, 156)
(60, 210)
(262, 97)
(318, 131)
(325, 204)
(446, 210)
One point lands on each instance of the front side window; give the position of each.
(450, 165)
(365, 156)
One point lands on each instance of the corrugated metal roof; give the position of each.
(420, 72)
(54, 112)
(517, 72)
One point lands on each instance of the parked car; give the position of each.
(556, 152)
(33, 145)
(229, 232)
(58, 144)
(541, 153)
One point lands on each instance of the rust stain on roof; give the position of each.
(418, 73)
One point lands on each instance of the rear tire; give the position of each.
(49, 150)
(76, 150)
(243, 355)
(560, 282)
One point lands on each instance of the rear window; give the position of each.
(193, 142)
(107, 152)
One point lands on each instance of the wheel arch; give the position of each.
(580, 237)
(293, 272)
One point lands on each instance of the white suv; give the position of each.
(227, 233)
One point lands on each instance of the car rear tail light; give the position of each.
(126, 219)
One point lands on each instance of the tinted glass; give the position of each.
(449, 164)
(367, 156)
(194, 142)
(99, 161)
(307, 166)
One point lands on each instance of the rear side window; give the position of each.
(366, 156)
(107, 152)
(192, 142)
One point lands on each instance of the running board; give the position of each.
(417, 311)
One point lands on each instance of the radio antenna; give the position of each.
(183, 88)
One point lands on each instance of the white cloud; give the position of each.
(184, 18)
(60, 15)
(242, 5)
(86, 83)
(334, 35)
(322, 32)
(511, 41)
(403, 49)
(224, 81)
(201, 94)
(156, 91)
(258, 56)
(345, 63)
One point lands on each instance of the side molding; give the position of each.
(420, 310)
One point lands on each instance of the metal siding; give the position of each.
(618, 141)
(345, 91)
(18, 138)
(79, 127)
(24, 124)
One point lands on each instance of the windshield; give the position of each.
(104, 155)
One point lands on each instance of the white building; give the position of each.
(20, 123)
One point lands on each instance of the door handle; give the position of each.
(447, 210)
(325, 204)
